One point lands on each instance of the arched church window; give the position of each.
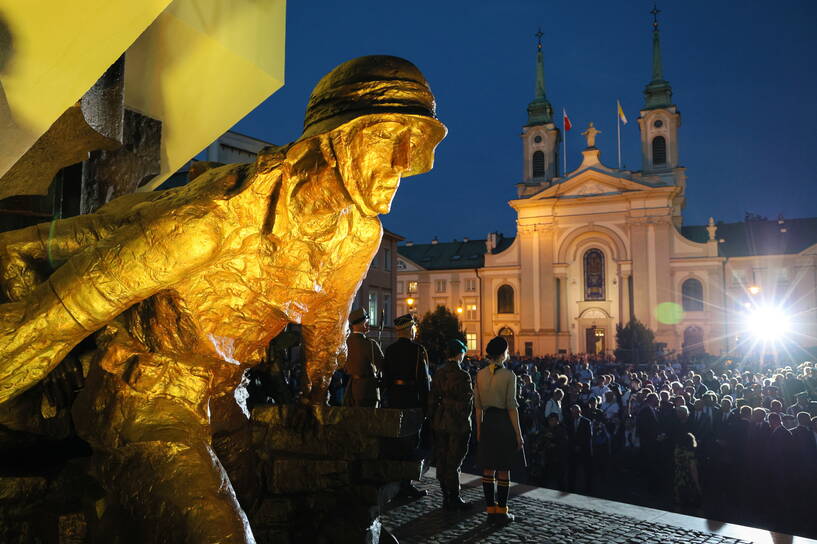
(538, 164)
(693, 341)
(692, 293)
(659, 151)
(594, 275)
(504, 300)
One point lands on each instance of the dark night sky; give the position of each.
(743, 76)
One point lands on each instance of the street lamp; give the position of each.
(410, 302)
(754, 289)
(459, 309)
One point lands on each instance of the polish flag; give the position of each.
(566, 121)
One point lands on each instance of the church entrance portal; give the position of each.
(594, 337)
(507, 334)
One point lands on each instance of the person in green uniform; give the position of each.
(499, 436)
(364, 362)
(449, 408)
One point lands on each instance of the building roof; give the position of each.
(451, 255)
(759, 237)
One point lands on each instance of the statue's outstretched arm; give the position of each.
(94, 286)
(29, 255)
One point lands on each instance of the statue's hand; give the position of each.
(22, 265)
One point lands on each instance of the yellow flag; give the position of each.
(621, 113)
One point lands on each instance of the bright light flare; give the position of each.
(768, 323)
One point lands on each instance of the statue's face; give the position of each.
(380, 150)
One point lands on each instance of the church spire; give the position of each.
(657, 93)
(539, 110)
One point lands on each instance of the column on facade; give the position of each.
(641, 272)
(547, 279)
(624, 297)
(659, 235)
(716, 339)
(530, 309)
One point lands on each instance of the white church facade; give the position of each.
(599, 246)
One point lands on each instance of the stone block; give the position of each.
(376, 422)
(305, 475)
(273, 512)
(384, 470)
(326, 442)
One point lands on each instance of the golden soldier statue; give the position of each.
(187, 286)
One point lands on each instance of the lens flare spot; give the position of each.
(669, 313)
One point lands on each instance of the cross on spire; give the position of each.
(655, 11)
(539, 37)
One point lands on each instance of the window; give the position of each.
(529, 349)
(387, 317)
(471, 312)
(471, 341)
(399, 287)
(692, 295)
(386, 259)
(401, 264)
(594, 275)
(538, 164)
(439, 286)
(412, 287)
(374, 314)
(470, 284)
(659, 151)
(504, 300)
(694, 341)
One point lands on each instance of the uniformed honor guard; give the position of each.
(449, 408)
(364, 362)
(405, 375)
(499, 436)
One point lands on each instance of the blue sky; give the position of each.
(743, 76)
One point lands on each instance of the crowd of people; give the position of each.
(722, 440)
(734, 441)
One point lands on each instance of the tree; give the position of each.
(636, 343)
(436, 329)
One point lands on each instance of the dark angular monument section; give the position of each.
(326, 478)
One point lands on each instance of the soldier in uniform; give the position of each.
(449, 408)
(364, 363)
(405, 374)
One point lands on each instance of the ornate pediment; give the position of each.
(591, 188)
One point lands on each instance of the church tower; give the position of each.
(540, 137)
(659, 123)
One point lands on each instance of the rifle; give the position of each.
(382, 324)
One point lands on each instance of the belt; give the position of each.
(403, 382)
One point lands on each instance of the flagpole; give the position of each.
(618, 130)
(564, 145)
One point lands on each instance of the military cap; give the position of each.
(496, 347)
(358, 316)
(455, 347)
(404, 321)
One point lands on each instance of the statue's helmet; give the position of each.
(378, 85)
(364, 86)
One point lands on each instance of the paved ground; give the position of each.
(540, 521)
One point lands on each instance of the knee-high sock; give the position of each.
(502, 489)
(488, 490)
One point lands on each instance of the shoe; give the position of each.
(501, 519)
(411, 492)
(455, 503)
